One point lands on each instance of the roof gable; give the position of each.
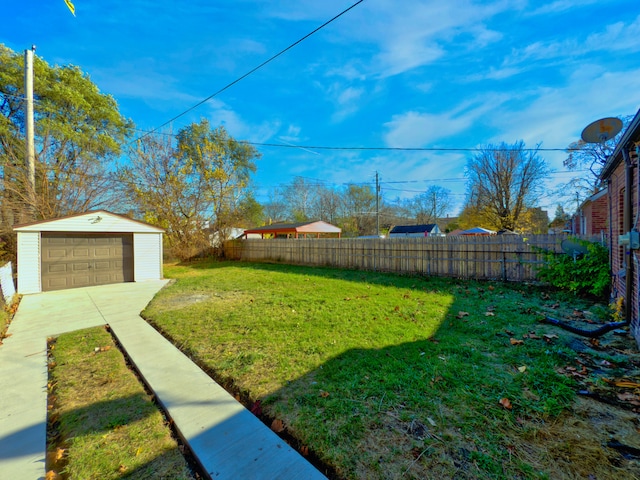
(304, 227)
(93, 221)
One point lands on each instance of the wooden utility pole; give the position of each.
(377, 205)
(30, 145)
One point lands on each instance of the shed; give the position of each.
(426, 230)
(296, 230)
(87, 249)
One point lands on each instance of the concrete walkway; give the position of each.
(227, 440)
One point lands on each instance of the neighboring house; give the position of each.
(231, 233)
(296, 230)
(428, 230)
(621, 176)
(591, 217)
(88, 249)
(477, 231)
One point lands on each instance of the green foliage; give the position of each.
(587, 274)
(79, 133)
(202, 179)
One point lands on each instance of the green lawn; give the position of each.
(102, 424)
(385, 376)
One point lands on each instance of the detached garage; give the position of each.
(84, 250)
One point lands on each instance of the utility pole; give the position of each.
(377, 205)
(30, 144)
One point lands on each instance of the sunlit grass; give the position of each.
(102, 423)
(383, 376)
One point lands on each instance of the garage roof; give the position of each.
(93, 221)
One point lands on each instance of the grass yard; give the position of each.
(385, 376)
(102, 424)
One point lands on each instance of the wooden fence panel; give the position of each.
(497, 257)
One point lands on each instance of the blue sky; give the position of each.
(389, 73)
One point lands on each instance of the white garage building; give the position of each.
(93, 248)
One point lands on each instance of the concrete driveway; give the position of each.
(227, 440)
(23, 362)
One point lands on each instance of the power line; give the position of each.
(269, 60)
(413, 149)
(400, 149)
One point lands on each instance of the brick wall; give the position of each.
(619, 258)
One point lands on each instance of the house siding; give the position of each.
(147, 254)
(619, 257)
(147, 244)
(28, 261)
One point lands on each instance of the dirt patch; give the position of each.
(575, 445)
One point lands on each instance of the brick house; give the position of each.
(620, 174)
(592, 216)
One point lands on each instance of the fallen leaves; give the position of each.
(106, 348)
(506, 403)
(277, 425)
(515, 341)
(629, 398)
(256, 409)
(623, 383)
(462, 314)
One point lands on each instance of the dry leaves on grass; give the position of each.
(515, 341)
(277, 425)
(623, 383)
(462, 314)
(629, 398)
(506, 403)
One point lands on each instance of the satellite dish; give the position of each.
(602, 130)
(573, 248)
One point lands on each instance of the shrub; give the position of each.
(587, 274)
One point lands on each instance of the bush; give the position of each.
(587, 274)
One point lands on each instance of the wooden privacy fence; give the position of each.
(496, 257)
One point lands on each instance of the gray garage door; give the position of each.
(71, 260)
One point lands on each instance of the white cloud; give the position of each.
(561, 6)
(617, 37)
(142, 81)
(414, 33)
(238, 127)
(415, 129)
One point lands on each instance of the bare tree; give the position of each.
(504, 181)
(167, 193)
(300, 197)
(590, 157)
(427, 207)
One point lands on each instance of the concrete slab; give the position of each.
(227, 440)
(23, 364)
